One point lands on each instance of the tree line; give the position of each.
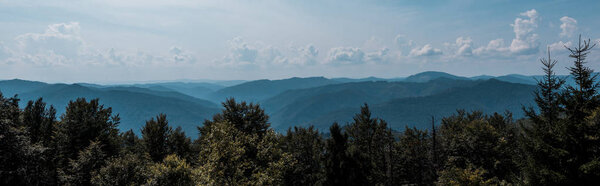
(556, 144)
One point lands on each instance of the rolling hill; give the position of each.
(487, 96)
(262, 89)
(134, 105)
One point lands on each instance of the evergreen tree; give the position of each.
(306, 147)
(39, 121)
(155, 136)
(82, 123)
(480, 142)
(179, 144)
(340, 167)
(580, 102)
(80, 170)
(541, 139)
(371, 144)
(414, 164)
(21, 161)
(248, 118)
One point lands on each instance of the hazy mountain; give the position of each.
(134, 105)
(15, 86)
(296, 107)
(296, 101)
(488, 96)
(431, 75)
(263, 89)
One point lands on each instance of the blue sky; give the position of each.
(145, 40)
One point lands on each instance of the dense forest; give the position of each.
(557, 143)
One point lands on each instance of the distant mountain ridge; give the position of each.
(315, 101)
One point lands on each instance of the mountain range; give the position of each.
(318, 101)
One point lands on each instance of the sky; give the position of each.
(109, 41)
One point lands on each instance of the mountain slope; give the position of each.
(262, 89)
(134, 105)
(487, 96)
(431, 75)
(297, 107)
(16, 86)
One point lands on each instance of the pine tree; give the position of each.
(340, 167)
(371, 143)
(541, 139)
(155, 136)
(39, 121)
(306, 147)
(248, 118)
(82, 123)
(580, 103)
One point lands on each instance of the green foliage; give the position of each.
(155, 136)
(225, 158)
(82, 123)
(340, 167)
(39, 121)
(306, 147)
(248, 118)
(80, 170)
(466, 176)
(171, 171)
(412, 158)
(21, 161)
(482, 141)
(371, 143)
(180, 145)
(130, 169)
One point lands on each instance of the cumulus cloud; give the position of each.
(402, 41)
(180, 55)
(58, 39)
(426, 50)
(258, 54)
(462, 46)
(345, 55)
(525, 41)
(307, 55)
(241, 52)
(494, 47)
(378, 56)
(568, 26)
(4, 51)
(62, 44)
(560, 46)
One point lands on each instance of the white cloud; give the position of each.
(307, 55)
(525, 41)
(180, 55)
(4, 51)
(463, 46)
(426, 50)
(257, 54)
(345, 55)
(494, 47)
(59, 39)
(559, 46)
(378, 56)
(240, 51)
(568, 26)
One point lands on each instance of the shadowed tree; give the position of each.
(306, 147)
(155, 136)
(371, 145)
